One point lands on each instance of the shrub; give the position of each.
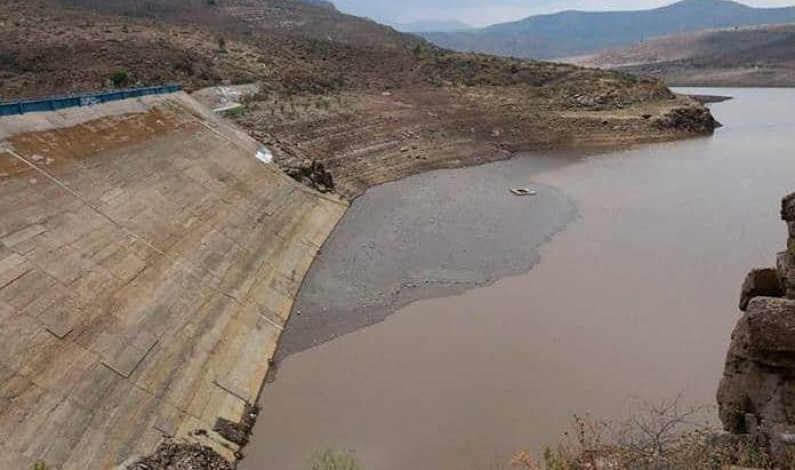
(40, 465)
(222, 44)
(657, 437)
(235, 113)
(120, 78)
(333, 460)
(8, 59)
(323, 103)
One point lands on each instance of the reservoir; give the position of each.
(448, 323)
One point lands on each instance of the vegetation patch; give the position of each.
(234, 113)
(660, 437)
(334, 460)
(120, 78)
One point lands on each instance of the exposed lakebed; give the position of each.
(634, 300)
(431, 235)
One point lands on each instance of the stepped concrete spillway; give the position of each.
(148, 264)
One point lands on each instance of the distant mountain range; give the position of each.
(573, 33)
(438, 26)
(747, 56)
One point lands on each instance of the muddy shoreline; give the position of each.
(710, 99)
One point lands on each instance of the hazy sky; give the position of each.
(483, 12)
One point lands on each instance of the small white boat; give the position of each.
(523, 192)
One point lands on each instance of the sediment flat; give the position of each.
(429, 235)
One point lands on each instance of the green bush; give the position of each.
(40, 465)
(323, 103)
(7, 59)
(120, 78)
(333, 460)
(235, 113)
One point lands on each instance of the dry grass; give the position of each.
(665, 436)
(661, 437)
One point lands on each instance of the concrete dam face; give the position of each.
(148, 264)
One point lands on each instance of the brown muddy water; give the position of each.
(633, 301)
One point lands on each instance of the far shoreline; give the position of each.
(710, 99)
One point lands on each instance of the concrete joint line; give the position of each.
(273, 323)
(323, 196)
(59, 335)
(216, 132)
(219, 382)
(85, 201)
(3, 286)
(310, 244)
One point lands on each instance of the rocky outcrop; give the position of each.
(757, 393)
(760, 283)
(695, 119)
(180, 456)
(311, 173)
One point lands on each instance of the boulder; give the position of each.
(751, 395)
(171, 455)
(760, 283)
(756, 396)
(788, 210)
(311, 173)
(786, 273)
(771, 331)
(697, 120)
(733, 400)
(788, 215)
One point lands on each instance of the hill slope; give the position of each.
(57, 46)
(752, 56)
(144, 280)
(572, 33)
(432, 25)
(335, 88)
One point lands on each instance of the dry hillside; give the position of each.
(359, 97)
(57, 46)
(752, 56)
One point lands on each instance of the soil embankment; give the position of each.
(366, 139)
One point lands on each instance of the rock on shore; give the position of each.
(757, 393)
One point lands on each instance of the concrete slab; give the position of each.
(145, 278)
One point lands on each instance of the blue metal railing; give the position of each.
(61, 102)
